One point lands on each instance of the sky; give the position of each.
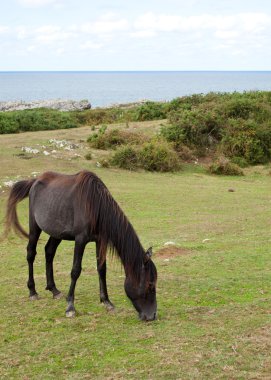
(136, 35)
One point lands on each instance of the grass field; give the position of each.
(214, 289)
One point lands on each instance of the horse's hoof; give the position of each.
(109, 306)
(58, 296)
(34, 297)
(70, 313)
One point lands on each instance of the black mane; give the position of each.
(109, 223)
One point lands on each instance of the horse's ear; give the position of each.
(148, 254)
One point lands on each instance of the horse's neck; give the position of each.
(130, 252)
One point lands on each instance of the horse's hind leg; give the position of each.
(75, 273)
(101, 268)
(34, 235)
(50, 250)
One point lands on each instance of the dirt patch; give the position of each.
(172, 251)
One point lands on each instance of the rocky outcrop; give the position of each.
(56, 104)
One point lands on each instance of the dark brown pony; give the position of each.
(80, 208)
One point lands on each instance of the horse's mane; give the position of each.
(108, 222)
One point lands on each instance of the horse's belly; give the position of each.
(54, 215)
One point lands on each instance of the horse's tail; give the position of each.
(18, 192)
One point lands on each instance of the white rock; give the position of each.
(30, 150)
(169, 243)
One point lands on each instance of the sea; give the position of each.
(108, 88)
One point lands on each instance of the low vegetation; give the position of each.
(237, 125)
(111, 139)
(152, 156)
(36, 120)
(223, 166)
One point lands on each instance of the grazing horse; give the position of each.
(80, 208)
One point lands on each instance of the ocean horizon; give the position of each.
(104, 88)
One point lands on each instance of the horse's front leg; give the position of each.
(101, 268)
(34, 235)
(75, 273)
(50, 250)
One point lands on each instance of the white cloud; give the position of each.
(4, 29)
(60, 51)
(226, 34)
(156, 23)
(31, 48)
(89, 45)
(36, 3)
(108, 23)
(22, 32)
(51, 33)
(143, 34)
(152, 34)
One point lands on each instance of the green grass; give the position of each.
(213, 300)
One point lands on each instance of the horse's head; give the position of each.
(143, 296)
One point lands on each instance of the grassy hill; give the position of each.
(213, 285)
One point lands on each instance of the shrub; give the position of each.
(35, 120)
(173, 133)
(240, 161)
(104, 163)
(88, 156)
(240, 107)
(158, 156)
(185, 153)
(150, 111)
(8, 124)
(198, 127)
(111, 139)
(223, 166)
(98, 116)
(126, 157)
(248, 140)
(152, 156)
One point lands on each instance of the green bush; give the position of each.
(248, 140)
(185, 153)
(173, 133)
(150, 111)
(98, 116)
(152, 156)
(158, 156)
(111, 139)
(126, 157)
(223, 166)
(36, 120)
(8, 124)
(194, 128)
(88, 156)
(240, 107)
(240, 161)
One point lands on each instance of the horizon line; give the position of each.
(128, 71)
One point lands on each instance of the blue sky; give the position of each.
(135, 35)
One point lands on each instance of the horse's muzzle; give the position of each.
(147, 317)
